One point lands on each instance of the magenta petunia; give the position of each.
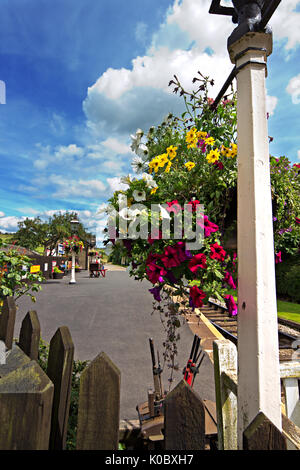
(155, 273)
(197, 296)
(229, 279)
(217, 252)
(208, 226)
(198, 261)
(230, 304)
(278, 257)
(170, 257)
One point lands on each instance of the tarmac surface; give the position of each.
(113, 314)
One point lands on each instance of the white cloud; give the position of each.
(2, 214)
(10, 223)
(293, 89)
(69, 151)
(66, 188)
(116, 185)
(117, 146)
(271, 104)
(285, 24)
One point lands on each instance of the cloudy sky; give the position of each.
(82, 75)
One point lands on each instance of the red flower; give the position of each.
(174, 206)
(170, 257)
(192, 205)
(198, 261)
(197, 296)
(219, 165)
(217, 252)
(297, 220)
(278, 257)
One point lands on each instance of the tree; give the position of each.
(33, 233)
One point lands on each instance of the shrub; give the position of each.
(293, 283)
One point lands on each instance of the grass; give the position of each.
(285, 310)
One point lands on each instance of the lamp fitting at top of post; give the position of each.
(251, 16)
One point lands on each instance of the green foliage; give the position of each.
(15, 276)
(293, 282)
(287, 278)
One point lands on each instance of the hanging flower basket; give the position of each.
(73, 245)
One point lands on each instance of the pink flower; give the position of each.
(217, 252)
(208, 226)
(198, 261)
(297, 220)
(197, 296)
(231, 305)
(278, 257)
(229, 279)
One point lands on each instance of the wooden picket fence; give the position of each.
(261, 434)
(34, 405)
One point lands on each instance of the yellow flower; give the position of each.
(189, 165)
(154, 164)
(234, 149)
(213, 156)
(191, 135)
(201, 134)
(209, 141)
(224, 150)
(171, 152)
(153, 191)
(168, 167)
(229, 153)
(163, 159)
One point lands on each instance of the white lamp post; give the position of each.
(258, 353)
(74, 225)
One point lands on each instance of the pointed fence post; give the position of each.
(262, 434)
(59, 370)
(7, 321)
(99, 406)
(225, 363)
(26, 395)
(30, 333)
(184, 419)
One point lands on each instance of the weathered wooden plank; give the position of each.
(291, 432)
(30, 333)
(26, 395)
(184, 419)
(99, 406)
(7, 321)
(225, 369)
(59, 370)
(262, 434)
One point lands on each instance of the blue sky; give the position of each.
(82, 75)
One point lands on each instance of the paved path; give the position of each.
(113, 314)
